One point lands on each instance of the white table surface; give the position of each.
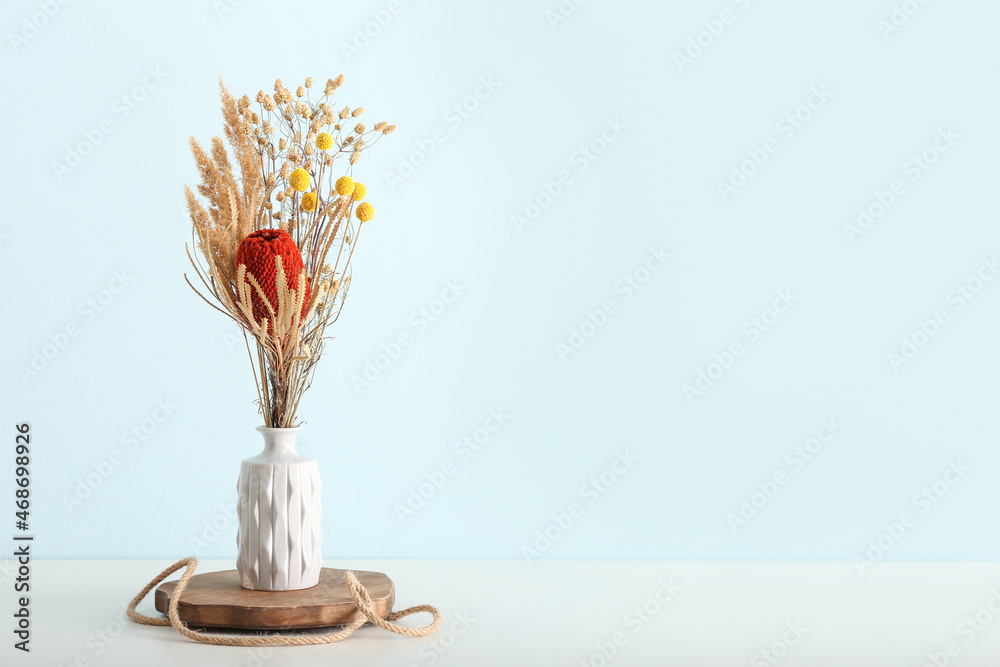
(559, 612)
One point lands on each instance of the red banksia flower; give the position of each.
(257, 251)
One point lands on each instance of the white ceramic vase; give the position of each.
(279, 507)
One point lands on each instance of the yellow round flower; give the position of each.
(344, 186)
(299, 179)
(324, 141)
(359, 191)
(365, 212)
(308, 202)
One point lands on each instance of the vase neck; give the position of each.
(279, 442)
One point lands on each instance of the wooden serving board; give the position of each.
(216, 600)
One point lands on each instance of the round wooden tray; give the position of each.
(216, 600)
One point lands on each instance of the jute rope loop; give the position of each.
(358, 592)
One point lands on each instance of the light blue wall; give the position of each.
(672, 131)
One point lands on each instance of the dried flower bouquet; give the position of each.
(276, 240)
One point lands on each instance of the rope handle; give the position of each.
(360, 595)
